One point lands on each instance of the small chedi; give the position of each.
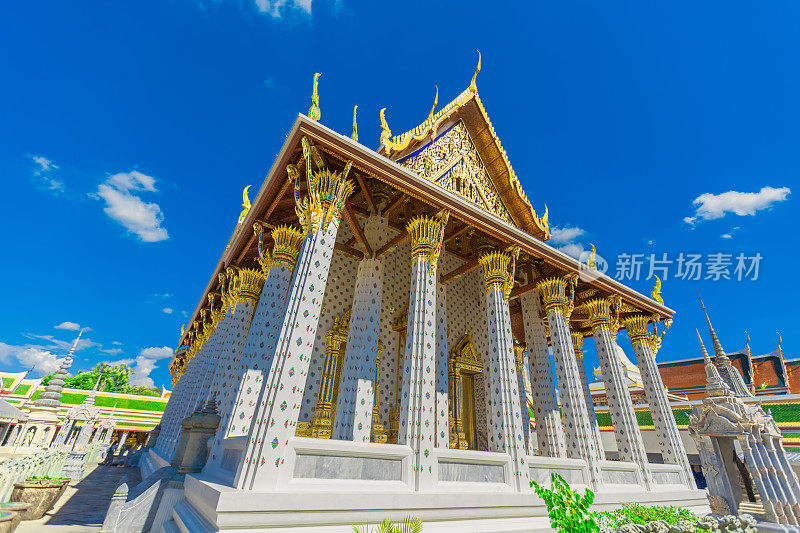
(742, 453)
(366, 339)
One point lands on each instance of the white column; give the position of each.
(549, 432)
(246, 291)
(577, 345)
(711, 461)
(522, 365)
(672, 449)
(282, 392)
(580, 439)
(121, 443)
(774, 493)
(261, 338)
(507, 433)
(417, 403)
(626, 428)
(442, 430)
(353, 420)
(207, 366)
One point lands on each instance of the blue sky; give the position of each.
(128, 130)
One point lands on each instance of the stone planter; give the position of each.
(9, 520)
(14, 507)
(40, 494)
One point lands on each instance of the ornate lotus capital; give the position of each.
(495, 270)
(553, 292)
(599, 313)
(287, 246)
(636, 325)
(577, 344)
(249, 284)
(427, 237)
(519, 355)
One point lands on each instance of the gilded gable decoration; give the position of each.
(505, 197)
(453, 162)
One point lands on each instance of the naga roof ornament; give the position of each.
(314, 112)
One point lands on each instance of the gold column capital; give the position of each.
(495, 270)
(249, 284)
(287, 246)
(553, 293)
(599, 313)
(328, 190)
(636, 325)
(427, 237)
(519, 354)
(577, 344)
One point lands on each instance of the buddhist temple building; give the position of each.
(367, 336)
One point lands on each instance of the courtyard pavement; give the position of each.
(83, 506)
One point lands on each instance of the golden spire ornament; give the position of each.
(245, 205)
(656, 294)
(354, 135)
(433, 107)
(473, 87)
(314, 112)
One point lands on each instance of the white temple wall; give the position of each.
(466, 312)
(396, 288)
(337, 300)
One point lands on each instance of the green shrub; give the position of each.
(408, 525)
(568, 510)
(633, 513)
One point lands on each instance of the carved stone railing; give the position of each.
(16, 469)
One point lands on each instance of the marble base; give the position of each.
(209, 506)
(330, 485)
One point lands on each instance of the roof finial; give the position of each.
(747, 342)
(354, 135)
(718, 351)
(386, 133)
(656, 294)
(245, 205)
(472, 86)
(780, 341)
(314, 112)
(433, 107)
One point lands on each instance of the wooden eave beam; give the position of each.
(393, 205)
(347, 250)
(367, 193)
(355, 227)
(398, 240)
(466, 268)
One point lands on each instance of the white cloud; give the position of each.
(276, 8)
(711, 206)
(122, 362)
(141, 372)
(167, 310)
(58, 344)
(30, 356)
(574, 249)
(117, 343)
(45, 165)
(143, 219)
(71, 326)
(112, 351)
(566, 235)
(43, 172)
(726, 236)
(154, 352)
(564, 239)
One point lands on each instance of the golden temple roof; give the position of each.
(468, 108)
